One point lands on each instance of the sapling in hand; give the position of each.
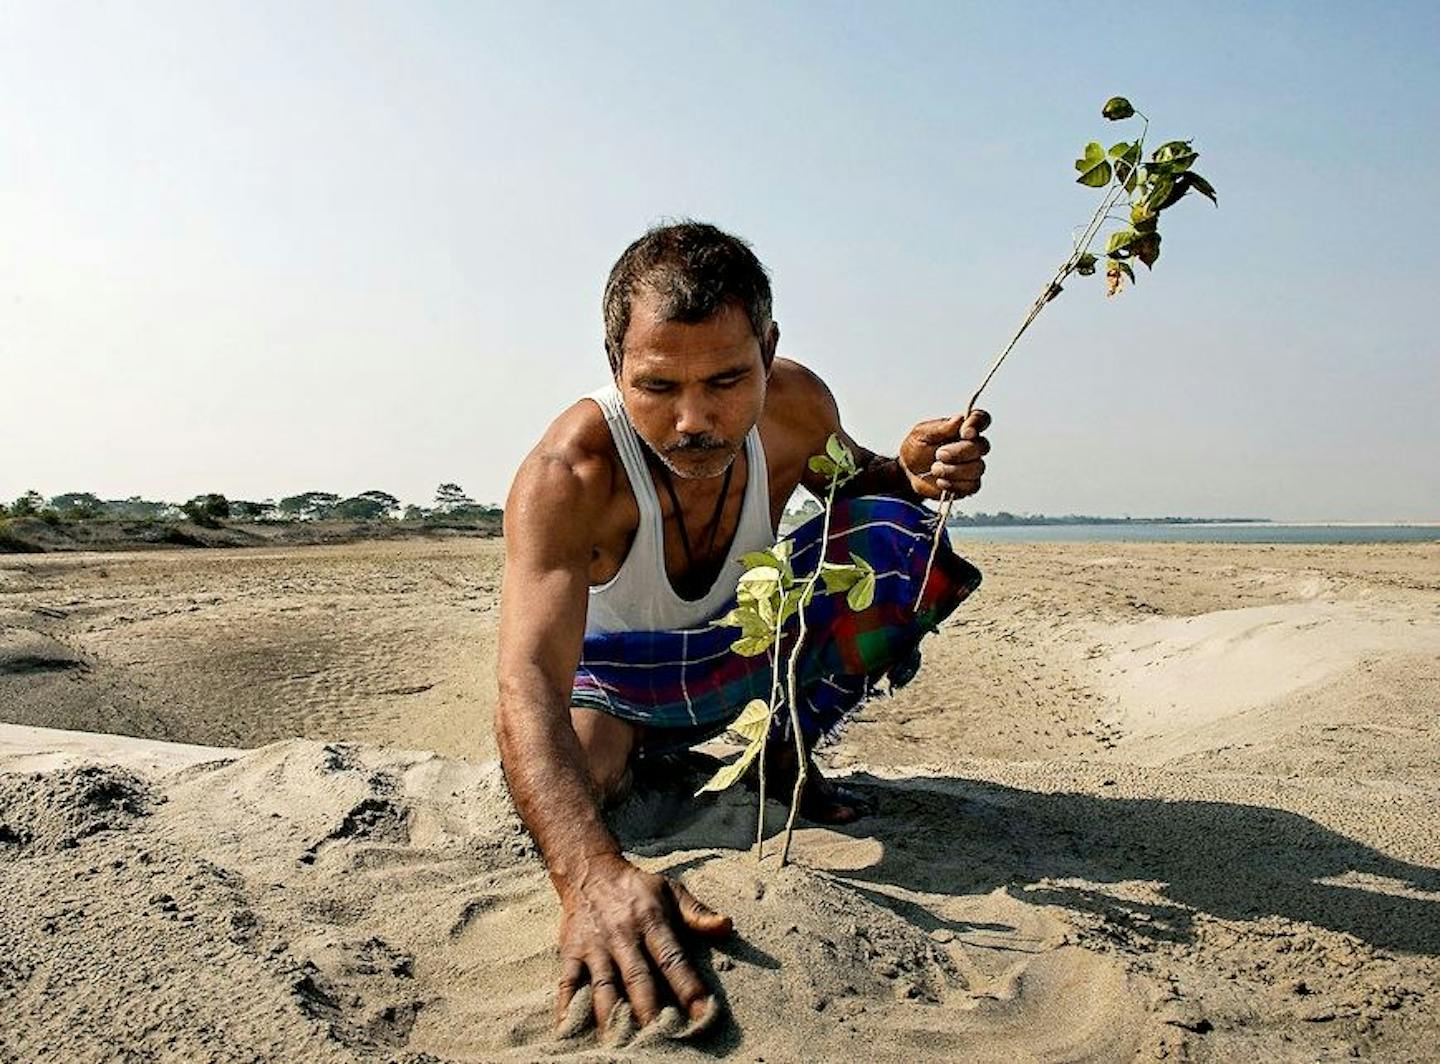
(768, 596)
(1137, 190)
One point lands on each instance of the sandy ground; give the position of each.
(1144, 802)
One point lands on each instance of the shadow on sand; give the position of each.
(1231, 861)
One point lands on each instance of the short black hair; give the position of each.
(695, 269)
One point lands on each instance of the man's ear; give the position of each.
(768, 346)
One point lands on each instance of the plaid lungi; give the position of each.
(686, 685)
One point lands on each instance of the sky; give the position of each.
(266, 248)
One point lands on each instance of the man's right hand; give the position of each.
(619, 929)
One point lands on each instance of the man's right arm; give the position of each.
(548, 543)
(618, 923)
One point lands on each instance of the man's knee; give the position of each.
(606, 744)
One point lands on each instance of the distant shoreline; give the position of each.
(1005, 520)
(33, 535)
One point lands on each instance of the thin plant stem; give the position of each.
(1092, 229)
(802, 756)
(764, 741)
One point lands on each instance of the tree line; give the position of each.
(450, 504)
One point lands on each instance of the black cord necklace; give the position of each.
(713, 529)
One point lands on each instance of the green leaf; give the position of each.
(1119, 240)
(760, 582)
(1174, 157)
(730, 774)
(777, 558)
(862, 594)
(730, 620)
(757, 558)
(1117, 108)
(1158, 196)
(1098, 176)
(1139, 213)
(822, 465)
(1126, 151)
(1147, 248)
(751, 646)
(1085, 264)
(754, 720)
(838, 452)
(1093, 154)
(839, 577)
(747, 619)
(764, 607)
(1200, 185)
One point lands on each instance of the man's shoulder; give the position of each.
(799, 399)
(575, 457)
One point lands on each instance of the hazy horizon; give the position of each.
(271, 249)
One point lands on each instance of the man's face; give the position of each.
(692, 390)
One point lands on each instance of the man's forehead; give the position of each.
(655, 345)
(694, 363)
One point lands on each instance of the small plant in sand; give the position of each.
(768, 596)
(1136, 191)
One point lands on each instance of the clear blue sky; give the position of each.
(266, 248)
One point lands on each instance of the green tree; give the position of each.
(27, 505)
(252, 511)
(451, 497)
(358, 508)
(388, 503)
(309, 506)
(78, 506)
(207, 510)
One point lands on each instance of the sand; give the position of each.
(1144, 802)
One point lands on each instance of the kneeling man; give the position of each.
(623, 530)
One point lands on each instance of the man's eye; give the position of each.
(656, 388)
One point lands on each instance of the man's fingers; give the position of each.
(572, 977)
(938, 430)
(976, 422)
(698, 916)
(606, 988)
(961, 471)
(964, 451)
(670, 959)
(639, 982)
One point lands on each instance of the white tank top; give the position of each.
(639, 598)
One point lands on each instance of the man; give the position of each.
(622, 530)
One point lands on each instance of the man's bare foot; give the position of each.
(823, 801)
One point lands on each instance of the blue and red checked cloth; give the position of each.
(687, 685)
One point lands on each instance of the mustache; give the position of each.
(697, 443)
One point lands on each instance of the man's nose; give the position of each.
(692, 415)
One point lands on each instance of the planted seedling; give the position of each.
(1136, 191)
(768, 595)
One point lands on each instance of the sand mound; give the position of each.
(361, 903)
(44, 813)
(1182, 684)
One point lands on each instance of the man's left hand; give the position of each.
(946, 454)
